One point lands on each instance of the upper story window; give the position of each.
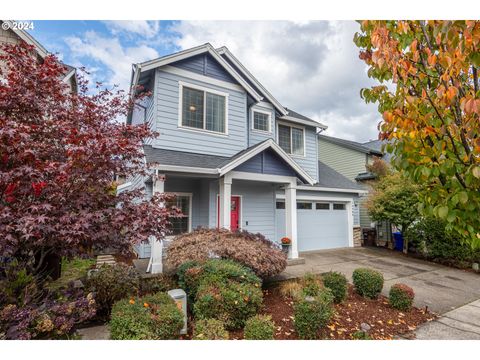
(203, 109)
(261, 120)
(291, 139)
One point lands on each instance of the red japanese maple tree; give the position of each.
(59, 151)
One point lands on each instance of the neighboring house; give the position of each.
(235, 157)
(350, 159)
(14, 36)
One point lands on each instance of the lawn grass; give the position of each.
(72, 270)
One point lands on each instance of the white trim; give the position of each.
(252, 117)
(69, 75)
(240, 227)
(185, 169)
(349, 208)
(303, 122)
(318, 198)
(123, 186)
(223, 50)
(206, 79)
(291, 139)
(341, 190)
(181, 85)
(190, 196)
(152, 64)
(267, 144)
(291, 180)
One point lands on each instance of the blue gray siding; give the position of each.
(174, 138)
(205, 64)
(267, 162)
(257, 206)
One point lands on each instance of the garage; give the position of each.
(320, 224)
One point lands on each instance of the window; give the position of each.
(280, 205)
(261, 121)
(322, 206)
(180, 225)
(338, 206)
(304, 205)
(203, 110)
(291, 139)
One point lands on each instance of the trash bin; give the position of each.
(398, 238)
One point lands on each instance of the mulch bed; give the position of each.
(386, 323)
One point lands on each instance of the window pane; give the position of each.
(260, 121)
(192, 112)
(304, 205)
(280, 205)
(338, 206)
(215, 113)
(284, 138)
(179, 225)
(297, 141)
(322, 206)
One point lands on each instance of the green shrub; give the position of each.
(311, 284)
(311, 314)
(337, 283)
(153, 317)
(259, 327)
(432, 240)
(157, 283)
(210, 329)
(401, 297)
(231, 302)
(360, 335)
(368, 282)
(112, 283)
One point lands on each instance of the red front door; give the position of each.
(235, 213)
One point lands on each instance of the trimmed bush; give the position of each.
(311, 284)
(157, 283)
(337, 283)
(401, 297)
(311, 314)
(259, 327)
(231, 302)
(111, 283)
(254, 251)
(153, 317)
(210, 329)
(368, 282)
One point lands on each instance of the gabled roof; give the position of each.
(217, 165)
(350, 145)
(205, 48)
(329, 178)
(301, 119)
(248, 75)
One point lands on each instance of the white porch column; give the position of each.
(349, 208)
(155, 265)
(291, 218)
(225, 192)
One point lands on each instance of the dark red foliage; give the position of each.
(59, 152)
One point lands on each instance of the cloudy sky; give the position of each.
(310, 67)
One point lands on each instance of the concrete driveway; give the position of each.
(439, 287)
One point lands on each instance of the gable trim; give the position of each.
(166, 60)
(256, 150)
(224, 51)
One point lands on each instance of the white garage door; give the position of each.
(320, 225)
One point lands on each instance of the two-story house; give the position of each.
(351, 158)
(235, 157)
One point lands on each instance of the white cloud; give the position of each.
(111, 54)
(146, 29)
(311, 67)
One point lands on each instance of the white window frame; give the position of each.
(266, 112)
(291, 142)
(181, 85)
(190, 196)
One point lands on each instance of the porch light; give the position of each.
(192, 108)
